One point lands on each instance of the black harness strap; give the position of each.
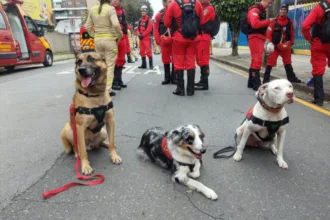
(86, 94)
(98, 112)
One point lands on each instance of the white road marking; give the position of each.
(155, 70)
(65, 72)
(131, 71)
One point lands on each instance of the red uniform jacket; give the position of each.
(121, 14)
(255, 22)
(208, 15)
(142, 29)
(283, 21)
(158, 18)
(315, 16)
(174, 11)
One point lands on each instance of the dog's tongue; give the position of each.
(198, 156)
(86, 81)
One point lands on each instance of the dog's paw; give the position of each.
(237, 156)
(282, 164)
(210, 194)
(86, 169)
(273, 149)
(115, 158)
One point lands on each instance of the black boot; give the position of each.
(115, 83)
(290, 74)
(120, 80)
(112, 93)
(151, 66)
(167, 74)
(129, 58)
(173, 75)
(179, 84)
(318, 90)
(144, 63)
(250, 85)
(204, 82)
(267, 74)
(190, 82)
(256, 82)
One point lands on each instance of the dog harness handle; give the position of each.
(96, 179)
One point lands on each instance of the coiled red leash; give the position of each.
(100, 177)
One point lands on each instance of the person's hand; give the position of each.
(140, 37)
(271, 19)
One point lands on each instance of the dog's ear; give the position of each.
(262, 90)
(202, 135)
(175, 135)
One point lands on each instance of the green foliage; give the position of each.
(133, 9)
(230, 10)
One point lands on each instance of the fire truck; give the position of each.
(21, 40)
(86, 41)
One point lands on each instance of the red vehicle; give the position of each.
(21, 40)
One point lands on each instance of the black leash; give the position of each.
(226, 150)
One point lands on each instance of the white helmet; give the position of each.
(144, 8)
(269, 47)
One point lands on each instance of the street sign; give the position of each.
(72, 22)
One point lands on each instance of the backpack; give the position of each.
(189, 21)
(212, 27)
(244, 26)
(145, 26)
(325, 29)
(277, 33)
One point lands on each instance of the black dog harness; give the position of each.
(98, 112)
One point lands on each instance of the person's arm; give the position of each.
(199, 11)
(269, 32)
(208, 14)
(115, 22)
(89, 24)
(168, 15)
(292, 33)
(149, 28)
(156, 28)
(255, 21)
(307, 24)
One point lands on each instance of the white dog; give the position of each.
(266, 121)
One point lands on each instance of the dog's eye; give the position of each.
(190, 140)
(277, 88)
(78, 62)
(90, 59)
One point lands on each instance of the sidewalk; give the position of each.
(63, 56)
(301, 65)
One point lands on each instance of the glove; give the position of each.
(140, 37)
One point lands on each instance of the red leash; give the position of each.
(100, 177)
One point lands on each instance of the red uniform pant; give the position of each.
(319, 55)
(121, 52)
(166, 53)
(256, 45)
(145, 47)
(184, 55)
(203, 52)
(286, 57)
(128, 49)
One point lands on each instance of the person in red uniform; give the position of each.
(144, 31)
(256, 39)
(166, 48)
(184, 49)
(320, 48)
(281, 33)
(128, 51)
(120, 62)
(203, 47)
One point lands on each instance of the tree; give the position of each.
(230, 12)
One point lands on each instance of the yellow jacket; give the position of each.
(105, 24)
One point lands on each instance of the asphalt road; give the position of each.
(34, 107)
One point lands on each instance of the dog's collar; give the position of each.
(86, 94)
(165, 149)
(268, 108)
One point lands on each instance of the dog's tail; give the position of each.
(141, 151)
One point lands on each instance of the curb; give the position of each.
(64, 58)
(299, 86)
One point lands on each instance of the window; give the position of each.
(31, 26)
(2, 22)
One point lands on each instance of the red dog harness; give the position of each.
(165, 149)
(100, 177)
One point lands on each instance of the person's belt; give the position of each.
(108, 36)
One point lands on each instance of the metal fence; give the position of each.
(301, 14)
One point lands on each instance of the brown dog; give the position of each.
(94, 109)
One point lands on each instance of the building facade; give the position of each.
(67, 9)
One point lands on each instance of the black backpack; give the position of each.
(190, 24)
(212, 27)
(146, 26)
(325, 28)
(244, 26)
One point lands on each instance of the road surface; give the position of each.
(34, 107)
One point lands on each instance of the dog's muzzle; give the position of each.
(89, 75)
